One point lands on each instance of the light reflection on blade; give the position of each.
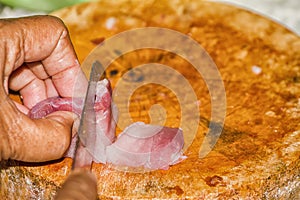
(86, 132)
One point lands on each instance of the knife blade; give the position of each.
(87, 128)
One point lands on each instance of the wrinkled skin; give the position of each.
(37, 59)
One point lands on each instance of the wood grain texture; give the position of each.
(257, 155)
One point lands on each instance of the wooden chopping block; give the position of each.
(257, 154)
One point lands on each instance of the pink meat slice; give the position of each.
(53, 104)
(150, 146)
(139, 145)
(106, 125)
(106, 116)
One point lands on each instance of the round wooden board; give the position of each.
(257, 154)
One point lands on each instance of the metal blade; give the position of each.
(87, 129)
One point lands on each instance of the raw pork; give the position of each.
(139, 145)
(153, 147)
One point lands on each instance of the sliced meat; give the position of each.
(105, 119)
(53, 104)
(139, 145)
(150, 146)
(106, 124)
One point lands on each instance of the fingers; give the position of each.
(38, 70)
(45, 39)
(80, 185)
(32, 88)
(33, 140)
(58, 56)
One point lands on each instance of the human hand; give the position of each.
(38, 60)
(80, 185)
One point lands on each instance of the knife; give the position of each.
(87, 128)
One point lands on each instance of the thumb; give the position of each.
(80, 185)
(22, 138)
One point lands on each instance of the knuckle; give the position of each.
(59, 23)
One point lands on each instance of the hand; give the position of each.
(38, 60)
(80, 185)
